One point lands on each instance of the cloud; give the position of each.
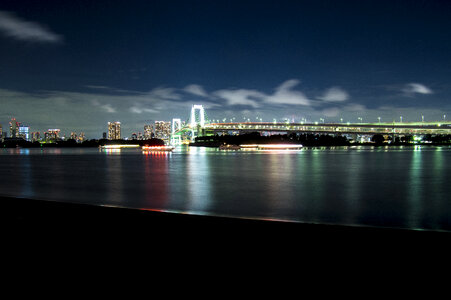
(411, 89)
(165, 93)
(140, 110)
(241, 97)
(108, 108)
(334, 94)
(285, 95)
(22, 30)
(105, 107)
(196, 89)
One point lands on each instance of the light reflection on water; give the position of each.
(377, 186)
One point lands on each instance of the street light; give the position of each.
(379, 118)
(422, 118)
(400, 117)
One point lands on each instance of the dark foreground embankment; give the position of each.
(65, 235)
(21, 216)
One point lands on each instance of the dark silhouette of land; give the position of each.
(18, 142)
(256, 138)
(307, 140)
(315, 140)
(57, 232)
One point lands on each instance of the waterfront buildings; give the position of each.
(18, 130)
(163, 131)
(52, 135)
(24, 132)
(148, 132)
(78, 138)
(35, 136)
(14, 128)
(114, 130)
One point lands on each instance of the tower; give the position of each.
(114, 130)
(14, 128)
(201, 118)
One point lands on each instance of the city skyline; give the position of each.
(78, 65)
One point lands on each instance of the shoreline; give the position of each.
(21, 215)
(350, 145)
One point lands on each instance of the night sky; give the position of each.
(75, 65)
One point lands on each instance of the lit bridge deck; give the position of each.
(336, 128)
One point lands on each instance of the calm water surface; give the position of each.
(406, 187)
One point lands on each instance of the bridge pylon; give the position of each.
(176, 127)
(197, 124)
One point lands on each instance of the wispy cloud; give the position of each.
(285, 94)
(241, 97)
(411, 89)
(16, 28)
(196, 89)
(139, 110)
(108, 108)
(105, 107)
(165, 93)
(334, 94)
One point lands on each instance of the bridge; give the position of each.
(199, 125)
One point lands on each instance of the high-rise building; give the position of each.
(114, 130)
(14, 128)
(52, 135)
(163, 131)
(148, 132)
(24, 132)
(81, 137)
(35, 136)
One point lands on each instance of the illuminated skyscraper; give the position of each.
(114, 130)
(52, 135)
(24, 132)
(148, 132)
(163, 131)
(14, 128)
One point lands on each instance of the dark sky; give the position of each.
(75, 65)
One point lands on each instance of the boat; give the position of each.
(229, 147)
(157, 148)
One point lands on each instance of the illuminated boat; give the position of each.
(229, 147)
(272, 146)
(157, 148)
